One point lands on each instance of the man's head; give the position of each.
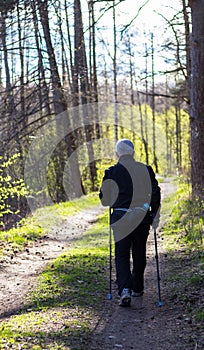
(124, 147)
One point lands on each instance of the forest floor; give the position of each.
(144, 325)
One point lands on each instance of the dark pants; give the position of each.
(135, 244)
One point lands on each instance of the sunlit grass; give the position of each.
(185, 219)
(38, 224)
(75, 277)
(182, 237)
(62, 310)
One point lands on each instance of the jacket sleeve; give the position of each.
(105, 191)
(156, 193)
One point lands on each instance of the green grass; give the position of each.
(185, 219)
(61, 311)
(74, 278)
(57, 212)
(37, 225)
(185, 252)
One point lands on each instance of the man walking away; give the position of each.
(130, 188)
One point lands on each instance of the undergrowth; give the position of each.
(183, 240)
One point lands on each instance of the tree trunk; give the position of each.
(72, 79)
(197, 98)
(10, 107)
(187, 44)
(93, 68)
(153, 110)
(60, 105)
(115, 76)
(44, 100)
(178, 136)
(22, 74)
(81, 71)
(146, 104)
(59, 102)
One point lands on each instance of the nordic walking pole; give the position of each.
(110, 258)
(160, 303)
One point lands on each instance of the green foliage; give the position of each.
(10, 187)
(174, 155)
(187, 219)
(134, 122)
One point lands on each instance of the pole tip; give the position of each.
(160, 304)
(109, 297)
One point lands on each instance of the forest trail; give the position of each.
(18, 275)
(143, 326)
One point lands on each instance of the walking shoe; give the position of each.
(137, 294)
(125, 298)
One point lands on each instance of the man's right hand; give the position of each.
(156, 219)
(155, 223)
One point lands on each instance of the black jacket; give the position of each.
(129, 184)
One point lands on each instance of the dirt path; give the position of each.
(145, 325)
(18, 276)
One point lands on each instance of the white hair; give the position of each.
(124, 147)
